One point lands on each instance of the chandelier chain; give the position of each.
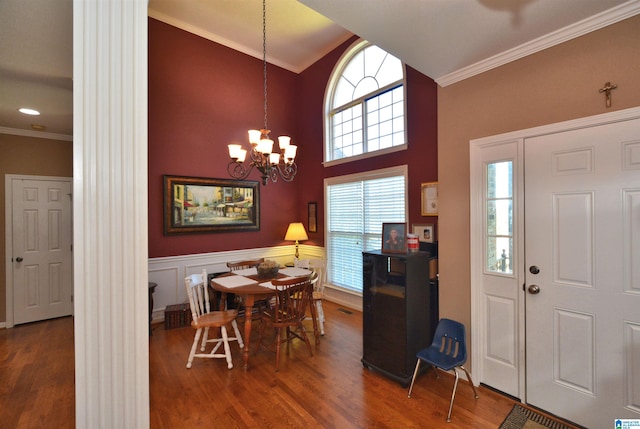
(271, 164)
(264, 57)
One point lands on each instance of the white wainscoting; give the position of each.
(169, 273)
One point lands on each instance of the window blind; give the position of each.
(356, 210)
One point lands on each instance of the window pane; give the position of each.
(499, 251)
(499, 180)
(499, 217)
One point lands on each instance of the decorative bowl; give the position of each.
(268, 270)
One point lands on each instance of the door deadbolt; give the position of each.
(534, 289)
(534, 270)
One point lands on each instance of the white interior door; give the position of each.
(582, 247)
(496, 244)
(41, 249)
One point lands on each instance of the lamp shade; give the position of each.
(296, 232)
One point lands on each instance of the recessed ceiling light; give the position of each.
(27, 111)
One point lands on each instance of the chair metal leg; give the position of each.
(414, 378)
(475, 393)
(453, 394)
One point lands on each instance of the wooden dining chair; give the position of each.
(319, 267)
(259, 304)
(202, 319)
(241, 265)
(292, 297)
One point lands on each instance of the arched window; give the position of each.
(365, 104)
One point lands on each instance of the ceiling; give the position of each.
(448, 40)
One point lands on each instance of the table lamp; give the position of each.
(296, 232)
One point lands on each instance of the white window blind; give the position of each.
(357, 206)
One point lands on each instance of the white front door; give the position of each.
(582, 273)
(41, 249)
(496, 245)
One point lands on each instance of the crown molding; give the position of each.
(596, 22)
(37, 134)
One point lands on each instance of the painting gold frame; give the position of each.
(429, 198)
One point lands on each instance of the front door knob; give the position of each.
(534, 289)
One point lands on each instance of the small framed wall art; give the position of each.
(312, 209)
(429, 198)
(426, 232)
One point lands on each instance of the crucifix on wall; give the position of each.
(608, 87)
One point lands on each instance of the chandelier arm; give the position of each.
(287, 171)
(237, 170)
(256, 157)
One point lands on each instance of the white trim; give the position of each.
(37, 134)
(593, 23)
(370, 175)
(476, 247)
(366, 155)
(8, 238)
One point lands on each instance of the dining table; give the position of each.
(250, 287)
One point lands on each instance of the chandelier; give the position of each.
(261, 155)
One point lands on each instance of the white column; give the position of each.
(110, 213)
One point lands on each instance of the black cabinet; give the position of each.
(400, 311)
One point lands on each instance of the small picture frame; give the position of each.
(429, 197)
(426, 232)
(394, 237)
(312, 209)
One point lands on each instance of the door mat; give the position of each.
(524, 418)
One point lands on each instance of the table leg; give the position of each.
(248, 315)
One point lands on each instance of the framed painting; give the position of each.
(426, 233)
(429, 198)
(394, 237)
(200, 205)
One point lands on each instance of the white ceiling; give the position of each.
(448, 40)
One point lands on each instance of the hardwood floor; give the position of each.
(329, 390)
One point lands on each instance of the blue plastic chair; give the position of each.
(448, 351)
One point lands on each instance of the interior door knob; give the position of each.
(534, 289)
(18, 259)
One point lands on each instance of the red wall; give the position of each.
(421, 156)
(203, 96)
